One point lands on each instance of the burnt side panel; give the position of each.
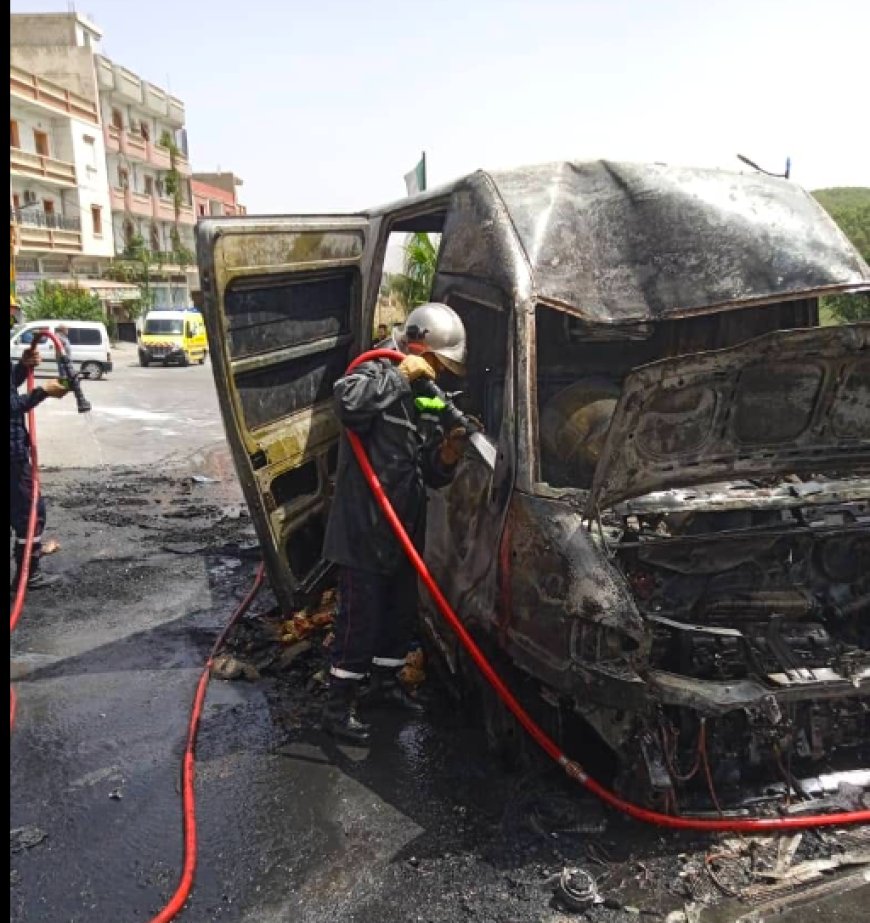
(287, 313)
(268, 315)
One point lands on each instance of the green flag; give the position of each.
(415, 181)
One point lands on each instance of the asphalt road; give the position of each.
(140, 416)
(423, 826)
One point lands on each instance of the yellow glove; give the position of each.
(414, 367)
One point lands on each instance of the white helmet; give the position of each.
(437, 329)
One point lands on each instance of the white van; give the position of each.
(89, 346)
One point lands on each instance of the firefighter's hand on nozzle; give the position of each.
(414, 367)
(453, 446)
(30, 357)
(55, 388)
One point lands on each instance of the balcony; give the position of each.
(36, 230)
(105, 76)
(38, 166)
(162, 209)
(182, 164)
(112, 138)
(155, 100)
(186, 215)
(158, 156)
(176, 112)
(119, 199)
(27, 86)
(139, 204)
(127, 84)
(133, 146)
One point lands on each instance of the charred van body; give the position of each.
(675, 543)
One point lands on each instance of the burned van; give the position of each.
(674, 545)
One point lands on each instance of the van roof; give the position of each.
(171, 312)
(59, 323)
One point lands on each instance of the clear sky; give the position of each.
(323, 105)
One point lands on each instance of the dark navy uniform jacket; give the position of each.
(376, 402)
(19, 405)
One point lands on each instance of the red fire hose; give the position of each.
(24, 573)
(573, 769)
(185, 884)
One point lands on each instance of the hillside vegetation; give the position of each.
(849, 206)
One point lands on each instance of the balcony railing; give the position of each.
(112, 137)
(36, 230)
(39, 166)
(34, 217)
(158, 156)
(163, 209)
(139, 203)
(25, 85)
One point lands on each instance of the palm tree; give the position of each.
(414, 285)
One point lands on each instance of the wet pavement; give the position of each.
(422, 826)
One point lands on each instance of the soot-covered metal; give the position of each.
(674, 547)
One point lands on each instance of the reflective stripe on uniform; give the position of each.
(388, 661)
(339, 673)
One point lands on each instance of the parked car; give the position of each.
(173, 336)
(90, 350)
(675, 543)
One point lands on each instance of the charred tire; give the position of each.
(93, 371)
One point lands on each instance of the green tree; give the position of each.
(134, 268)
(413, 285)
(51, 301)
(850, 208)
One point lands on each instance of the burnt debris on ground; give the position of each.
(425, 825)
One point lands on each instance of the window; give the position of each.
(84, 336)
(97, 221)
(201, 209)
(40, 141)
(149, 185)
(14, 136)
(163, 325)
(298, 311)
(143, 131)
(155, 238)
(123, 178)
(117, 119)
(48, 206)
(16, 201)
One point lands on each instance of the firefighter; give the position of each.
(21, 468)
(377, 584)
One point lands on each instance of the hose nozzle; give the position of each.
(452, 417)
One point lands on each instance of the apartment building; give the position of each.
(60, 212)
(139, 142)
(214, 195)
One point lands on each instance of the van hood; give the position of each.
(793, 401)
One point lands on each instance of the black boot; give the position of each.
(339, 716)
(387, 691)
(36, 578)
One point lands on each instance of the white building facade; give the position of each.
(60, 210)
(119, 184)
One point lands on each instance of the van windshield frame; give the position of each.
(169, 326)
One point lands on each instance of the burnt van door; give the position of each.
(282, 301)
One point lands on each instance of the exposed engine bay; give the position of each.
(760, 626)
